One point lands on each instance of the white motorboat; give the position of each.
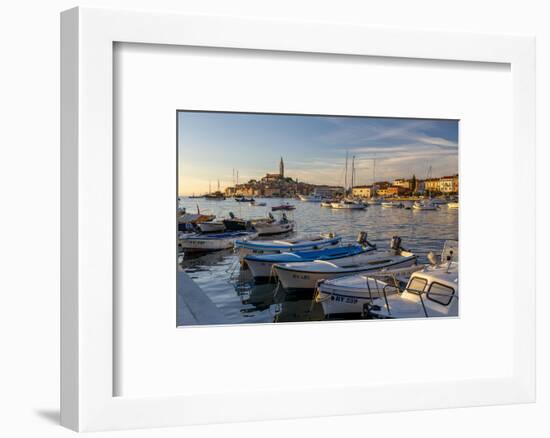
(211, 227)
(327, 203)
(424, 206)
(311, 198)
(198, 242)
(430, 292)
(452, 205)
(306, 275)
(392, 204)
(374, 201)
(273, 226)
(348, 295)
(348, 204)
(354, 293)
(305, 243)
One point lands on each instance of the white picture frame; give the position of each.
(87, 342)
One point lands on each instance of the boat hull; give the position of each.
(337, 299)
(209, 227)
(267, 229)
(246, 248)
(341, 303)
(341, 206)
(294, 278)
(198, 243)
(262, 269)
(235, 224)
(283, 208)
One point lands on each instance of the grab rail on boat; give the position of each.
(392, 274)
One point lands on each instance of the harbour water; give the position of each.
(239, 300)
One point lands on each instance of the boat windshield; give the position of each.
(417, 285)
(440, 293)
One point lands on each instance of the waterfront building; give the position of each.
(420, 186)
(382, 184)
(405, 183)
(393, 191)
(431, 185)
(362, 191)
(328, 191)
(447, 184)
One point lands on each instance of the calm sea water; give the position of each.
(241, 301)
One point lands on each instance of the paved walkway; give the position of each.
(193, 305)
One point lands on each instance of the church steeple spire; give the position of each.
(282, 168)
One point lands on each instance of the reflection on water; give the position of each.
(241, 301)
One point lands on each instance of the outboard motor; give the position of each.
(271, 217)
(285, 220)
(231, 215)
(362, 240)
(395, 243)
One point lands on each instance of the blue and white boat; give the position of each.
(306, 275)
(260, 265)
(308, 243)
(199, 242)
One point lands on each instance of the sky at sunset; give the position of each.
(211, 145)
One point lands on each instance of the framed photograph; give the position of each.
(270, 219)
(295, 245)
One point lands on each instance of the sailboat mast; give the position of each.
(352, 172)
(346, 175)
(428, 178)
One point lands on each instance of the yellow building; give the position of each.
(431, 185)
(448, 184)
(392, 191)
(362, 191)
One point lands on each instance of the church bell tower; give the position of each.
(282, 168)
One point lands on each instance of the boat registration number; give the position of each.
(346, 300)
